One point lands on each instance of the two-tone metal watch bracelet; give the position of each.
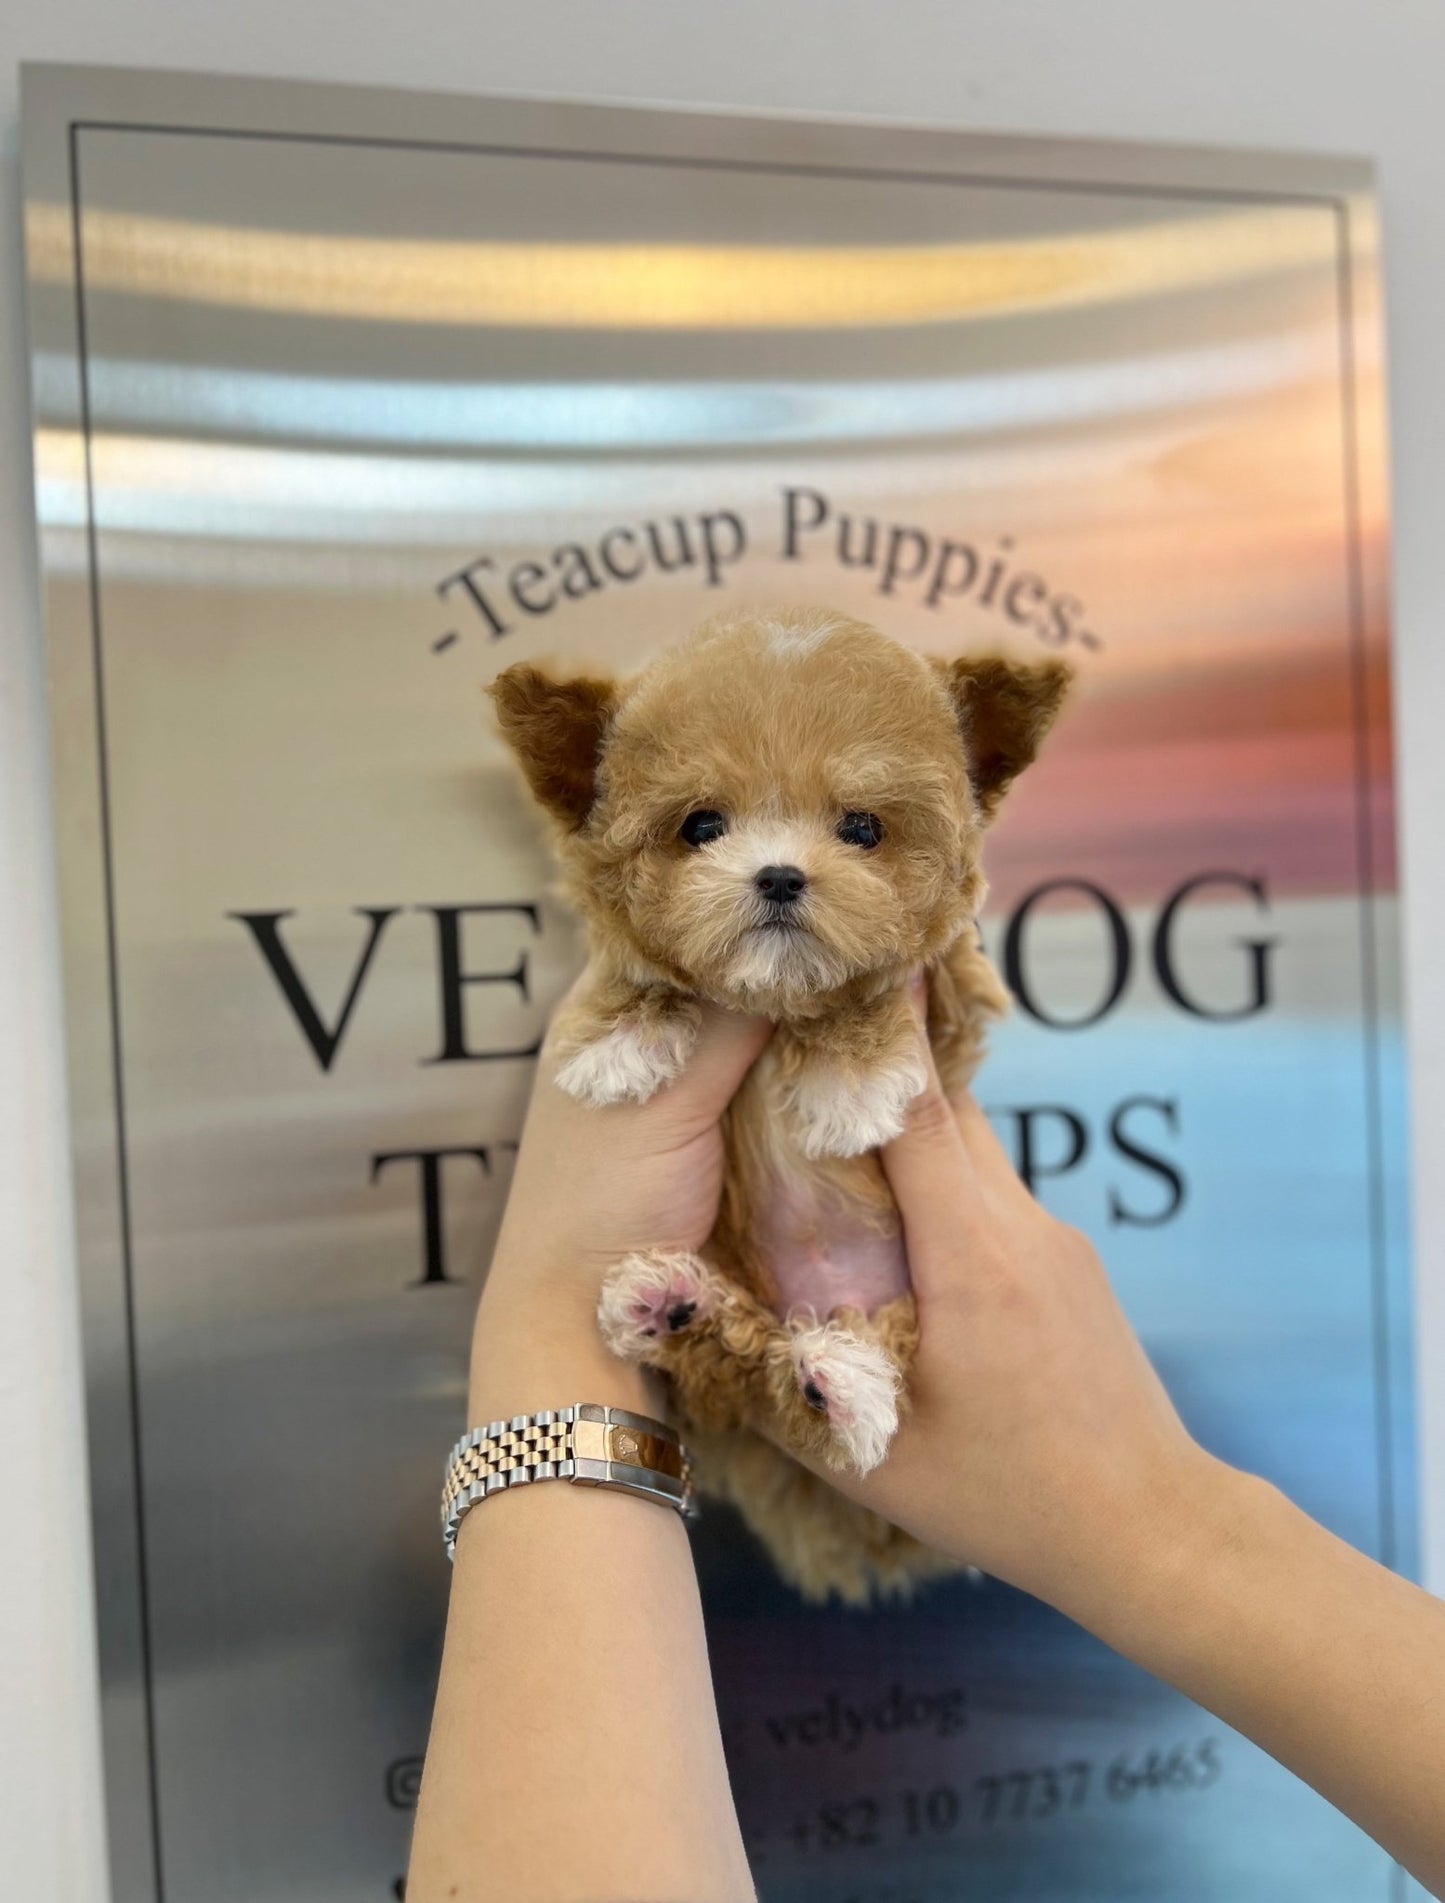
(589, 1445)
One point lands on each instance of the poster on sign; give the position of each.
(344, 401)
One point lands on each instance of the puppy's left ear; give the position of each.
(1004, 708)
(556, 729)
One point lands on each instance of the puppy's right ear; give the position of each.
(556, 730)
(1003, 708)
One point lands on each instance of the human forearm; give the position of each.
(1328, 1661)
(575, 1754)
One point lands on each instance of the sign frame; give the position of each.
(61, 106)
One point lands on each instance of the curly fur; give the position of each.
(799, 1322)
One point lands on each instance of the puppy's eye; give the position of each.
(702, 827)
(861, 829)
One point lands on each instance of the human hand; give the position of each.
(591, 1185)
(1040, 1445)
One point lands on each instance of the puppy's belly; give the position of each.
(827, 1250)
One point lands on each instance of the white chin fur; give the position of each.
(859, 1384)
(845, 1116)
(781, 960)
(628, 1064)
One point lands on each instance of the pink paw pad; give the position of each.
(853, 1382)
(650, 1297)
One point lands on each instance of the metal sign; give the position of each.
(345, 400)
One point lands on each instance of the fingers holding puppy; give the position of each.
(947, 1168)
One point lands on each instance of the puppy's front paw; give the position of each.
(629, 1062)
(649, 1297)
(854, 1383)
(844, 1116)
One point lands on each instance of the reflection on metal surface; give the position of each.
(622, 418)
(344, 401)
(660, 287)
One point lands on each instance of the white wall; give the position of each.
(1334, 75)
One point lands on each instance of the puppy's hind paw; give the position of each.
(628, 1063)
(852, 1381)
(650, 1297)
(845, 1116)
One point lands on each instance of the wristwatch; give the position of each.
(589, 1445)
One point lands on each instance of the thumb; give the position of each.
(728, 1045)
(932, 1177)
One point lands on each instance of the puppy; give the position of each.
(784, 814)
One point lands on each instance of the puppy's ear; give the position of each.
(556, 729)
(1004, 708)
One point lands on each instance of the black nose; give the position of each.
(784, 885)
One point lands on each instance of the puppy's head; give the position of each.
(780, 805)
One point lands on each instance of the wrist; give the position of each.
(1194, 1511)
(542, 1349)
